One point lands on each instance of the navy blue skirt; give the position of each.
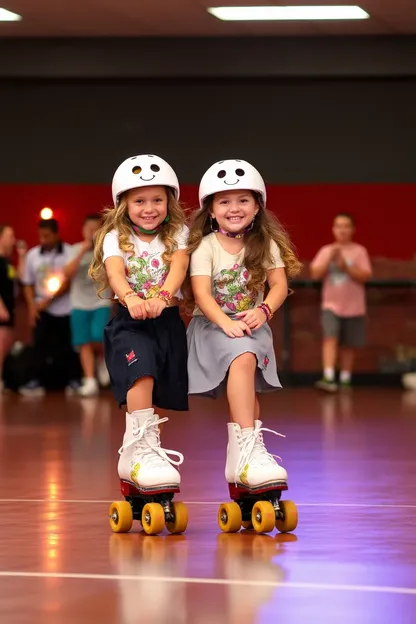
(151, 348)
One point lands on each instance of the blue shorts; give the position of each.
(88, 325)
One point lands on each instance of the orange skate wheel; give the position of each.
(290, 517)
(263, 517)
(153, 518)
(180, 523)
(229, 517)
(121, 517)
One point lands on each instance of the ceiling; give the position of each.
(189, 18)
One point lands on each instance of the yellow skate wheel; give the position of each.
(263, 517)
(180, 523)
(248, 525)
(290, 517)
(229, 517)
(121, 517)
(153, 518)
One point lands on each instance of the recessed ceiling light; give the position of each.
(8, 16)
(284, 13)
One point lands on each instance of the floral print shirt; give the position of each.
(145, 270)
(228, 274)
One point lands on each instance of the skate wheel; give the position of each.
(121, 517)
(263, 517)
(229, 517)
(248, 525)
(153, 518)
(180, 523)
(290, 517)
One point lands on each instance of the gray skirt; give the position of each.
(211, 352)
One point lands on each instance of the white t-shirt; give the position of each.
(43, 268)
(145, 268)
(229, 275)
(83, 289)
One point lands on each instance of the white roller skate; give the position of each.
(256, 482)
(149, 479)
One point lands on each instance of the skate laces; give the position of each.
(253, 450)
(147, 443)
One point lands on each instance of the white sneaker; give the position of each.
(89, 387)
(32, 389)
(103, 374)
(142, 460)
(249, 464)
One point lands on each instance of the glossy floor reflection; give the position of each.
(351, 461)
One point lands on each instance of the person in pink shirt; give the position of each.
(344, 267)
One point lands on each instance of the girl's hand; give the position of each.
(235, 329)
(155, 307)
(137, 307)
(254, 318)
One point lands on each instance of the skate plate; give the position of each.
(152, 507)
(258, 508)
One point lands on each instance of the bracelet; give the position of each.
(165, 296)
(129, 293)
(266, 309)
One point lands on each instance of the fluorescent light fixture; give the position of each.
(286, 13)
(8, 16)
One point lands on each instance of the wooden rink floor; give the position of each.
(351, 460)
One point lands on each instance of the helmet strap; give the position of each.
(216, 228)
(140, 230)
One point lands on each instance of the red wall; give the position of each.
(385, 214)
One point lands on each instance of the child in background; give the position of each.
(89, 313)
(344, 267)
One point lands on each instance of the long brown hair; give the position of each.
(117, 219)
(266, 228)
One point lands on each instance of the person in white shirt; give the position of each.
(140, 253)
(89, 313)
(46, 292)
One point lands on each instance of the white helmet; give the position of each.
(144, 170)
(230, 175)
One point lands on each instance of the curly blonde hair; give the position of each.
(257, 242)
(117, 219)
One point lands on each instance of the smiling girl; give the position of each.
(140, 253)
(237, 247)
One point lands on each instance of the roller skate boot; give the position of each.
(148, 478)
(256, 482)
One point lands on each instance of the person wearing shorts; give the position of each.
(89, 313)
(344, 267)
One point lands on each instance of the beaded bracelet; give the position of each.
(265, 308)
(129, 293)
(165, 296)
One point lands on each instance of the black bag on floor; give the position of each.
(17, 368)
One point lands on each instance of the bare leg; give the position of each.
(329, 352)
(241, 390)
(257, 408)
(86, 355)
(347, 356)
(329, 358)
(139, 397)
(249, 464)
(347, 359)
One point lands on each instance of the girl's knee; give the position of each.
(245, 360)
